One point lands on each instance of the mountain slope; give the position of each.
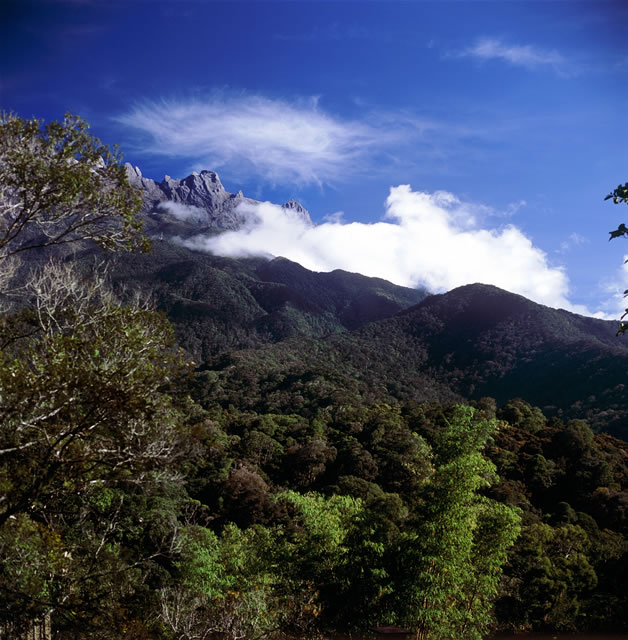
(220, 304)
(472, 342)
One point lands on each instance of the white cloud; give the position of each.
(184, 211)
(274, 139)
(425, 239)
(615, 304)
(574, 240)
(524, 56)
(577, 239)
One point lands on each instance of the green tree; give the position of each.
(92, 443)
(251, 582)
(553, 574)
(89, 440)
(59, 184)
(451, 557)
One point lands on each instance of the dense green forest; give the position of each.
(240, 473)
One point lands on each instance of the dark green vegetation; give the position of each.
(305, 482)
(472, 342)
(221, 304)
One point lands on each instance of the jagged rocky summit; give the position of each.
(199, 200)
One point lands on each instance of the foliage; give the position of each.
(92, 439)
(553, 574)
(402, 464)
(451, 559)
(225, 586)
(563, 572)
(248, 583)
(59, 184)
(620, 194)
(89, 441)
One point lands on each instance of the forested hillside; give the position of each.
(473, 342)
(297, 452)
(222, 304)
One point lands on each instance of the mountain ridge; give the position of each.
(202, 192)
(284, 324)
(472, 342)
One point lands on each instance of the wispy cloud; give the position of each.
(574, 240)
(527, 56)
(278, 140)
(429, 239)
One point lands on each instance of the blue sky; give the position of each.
(506, 121)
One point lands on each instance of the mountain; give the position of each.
(282, 336)
(472, 342)
(483, 341)
(221, 304)
(197, 203)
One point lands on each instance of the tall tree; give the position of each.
(91, 441)
(451, 557)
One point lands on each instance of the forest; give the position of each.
(169, 472)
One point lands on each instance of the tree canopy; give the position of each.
(91, 438)
(59, 184)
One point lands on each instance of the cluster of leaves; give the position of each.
(60, 185)
(618, 195)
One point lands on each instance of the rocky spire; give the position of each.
(199, 190)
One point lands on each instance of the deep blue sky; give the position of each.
(516, 109)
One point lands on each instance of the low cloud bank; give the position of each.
(430, 240)
(184, 211)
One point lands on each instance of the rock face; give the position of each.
(198, 200)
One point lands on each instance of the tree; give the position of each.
(620, 194)
(552, 573)
(93, 442)
(257, 581)
(451, 557)
(59, 184)
(90, 442)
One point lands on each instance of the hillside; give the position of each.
(472, 342)
(271, 329)
(221, 304)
